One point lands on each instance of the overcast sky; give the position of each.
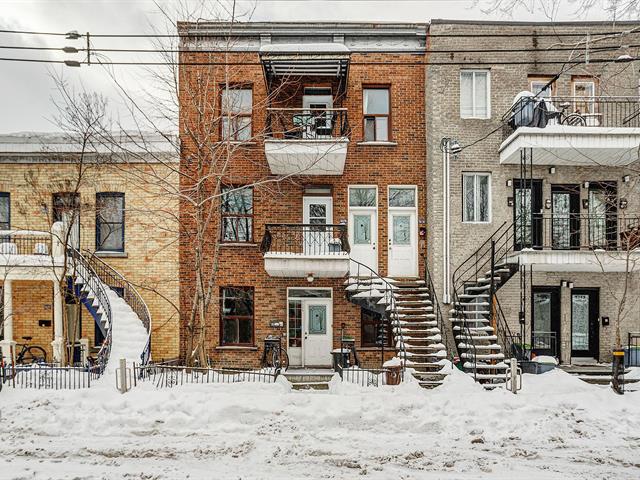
(27, 90)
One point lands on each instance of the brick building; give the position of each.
(124, 219)
(559, 198)
(328, 164)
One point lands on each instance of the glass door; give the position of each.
(318, 213)
(527, 214)
(565, 219)
(584, 323)
(603, 224)
(545, 321)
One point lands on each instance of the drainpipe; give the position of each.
(448, 146)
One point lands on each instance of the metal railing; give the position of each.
(113, 279)
(90, 278)
(41, 376)
(597, 111)
(436, 305)
(364, 377)
(632, 355)
(15, 242)
(545, 341)
(305, 239)
(168, 376)
(307, 123)
(373, 286)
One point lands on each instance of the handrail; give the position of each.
(111, 277)
(436, 303)
(393, 313)
(305, 239)
(97, 287)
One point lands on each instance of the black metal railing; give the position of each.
(307, 124)
(168, 376)
(82, 268)
(305, 239)
(577, 231)
(12, 242)
(506, 338)
(428, 280)
(41, 376)
(632, 355)
(365, 377)
(113, 279)
(544, 343)
(598, 111)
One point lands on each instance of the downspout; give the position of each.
(446, 223)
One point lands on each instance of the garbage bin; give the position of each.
(393, 375)
(340, 359)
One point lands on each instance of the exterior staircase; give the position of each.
(411, 309)
(309, 380)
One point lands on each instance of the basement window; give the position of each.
(371, 329)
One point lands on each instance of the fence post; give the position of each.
(121, 376)
(514, 376)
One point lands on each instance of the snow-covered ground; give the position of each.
(557, 427)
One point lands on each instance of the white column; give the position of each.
(58, 318)
(8, 343)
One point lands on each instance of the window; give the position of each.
(362, 197)
(5, 211)
(237, 104)
(402, 197)
(539, 86)
(236, 316)
(65, 204)
(584, 91)
(371, 323)
(475, 94)
(237, 215)
(476, 197)
(376, 114)
(110, 222)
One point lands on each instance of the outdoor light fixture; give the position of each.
(72, 35)
(585, 203)
(570, 285)
(547, 204)
(563, 283)
(552, 170)
(509, 201)
(310, 277)
(509, 183)
(585, 185)
(626, 178)
(623, 203)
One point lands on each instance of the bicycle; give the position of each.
(574, 119)
(274, 354)
(30, 354)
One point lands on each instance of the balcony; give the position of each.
(306, 141)
(29, 254)
(303, 250)
(574, 131)
(607, 242)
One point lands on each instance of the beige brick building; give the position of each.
(38, 174)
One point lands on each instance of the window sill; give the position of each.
(475, 118)
(251, 348)
(238, 244)
(377, 144)
(476, 223)
(107, 254)
(247, 143)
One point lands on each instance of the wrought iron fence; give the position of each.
(307, 124)
(113, 279)
(305, 239)
(168, 376)
(13, 242)
(41, 376)
(574, 111)
(365, 377)
(544, 343)
(632, 355)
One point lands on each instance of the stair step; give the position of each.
(472, 304)
(469, 320)
(483, 356)
(489, 376)
(488, 279)
(474, 295)
(458, 328)
(310, 386)
(428, 384)
(478, 288)
(477, 337)
(485, 366)
(466, 346)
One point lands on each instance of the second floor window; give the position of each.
(475, 94)
(376, 114)
(583, 90)
(237, 214)
(540, 86)
(5, 211)
(110, 222)
(476, 197)
(237, 104)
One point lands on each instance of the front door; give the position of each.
(545, 321)
(402, 232)
(584, 323)
(527, 213)
(318, 331)
(565, 224)
(317, 237)
(363, 229)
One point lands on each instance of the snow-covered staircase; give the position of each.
(408, 306)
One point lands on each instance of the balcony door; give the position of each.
(585, 308)
(316, 236)
(603, 225)
(66, 209)
(316, 102)
(545, 321)
(565, 220)
(527, 213)
(363, 228)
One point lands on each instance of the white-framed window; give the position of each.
(476, 197)
(584, 92)
(540, 86)
(475, 94)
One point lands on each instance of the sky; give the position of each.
(28, 91)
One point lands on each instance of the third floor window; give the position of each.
(376, 114)
(475, 94)
(5, 209)
(237, 104)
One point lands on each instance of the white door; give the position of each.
(318, 211)
(318, 120)
(363, 228)
(71, 220)
(402, 233)
(318, 332)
